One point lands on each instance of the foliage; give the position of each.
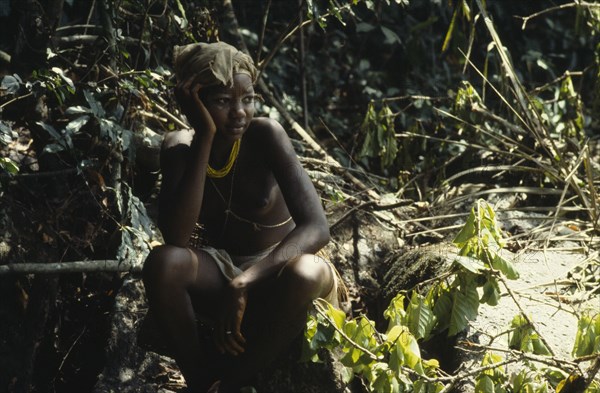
(380, 137)
(587, 340)
(392, 361)
(524, 338)
(448, 95)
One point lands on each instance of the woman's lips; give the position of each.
(237, 128)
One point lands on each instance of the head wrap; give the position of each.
(213, 64)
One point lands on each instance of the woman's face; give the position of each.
(231, 108)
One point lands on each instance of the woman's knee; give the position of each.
(308, 274)
(167, 263)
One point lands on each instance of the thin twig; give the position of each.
(582, 4)
(319, 308)
(16, 99)
(549, 360)
(522, 311)
(173, 118)
(373, 205)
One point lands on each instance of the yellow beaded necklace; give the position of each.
(217, 173)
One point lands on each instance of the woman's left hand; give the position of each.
(228, 335)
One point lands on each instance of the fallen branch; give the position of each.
(553, 360)
(372, 204)
(103, 265)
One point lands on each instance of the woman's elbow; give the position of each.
(323, 236)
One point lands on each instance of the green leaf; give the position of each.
(524, 338)
(484, 385)
(539, 348)
(491, 292)
(471, 264)
(450, 29)
(75, 125)
(390, 36)
(364, 27)
(51, 130)
(411, 351)
(465, 303)
(11, 83)
(53, 148)
(338, 316)
(9, 165)
(77, 110)
(518, 325)
(421, 319)
(467, 231)
(95, 106)
(395, 313)
(586, 338)
(495, 373)
(443, 310)
(504, 266)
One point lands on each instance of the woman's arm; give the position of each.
(312, 230)
(310, 234)
(184, 159)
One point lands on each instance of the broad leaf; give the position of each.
(471, 264)
(420, 317)
(465, 304)
(504, 266)
(491, 292)
(443, 310)
(338, 316)
(484, 385)
(467, 231)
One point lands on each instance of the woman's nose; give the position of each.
(236, 110)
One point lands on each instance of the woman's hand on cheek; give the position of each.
(188, 96)
(228, 334)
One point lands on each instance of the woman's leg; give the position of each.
(171, 274)
(276, 315)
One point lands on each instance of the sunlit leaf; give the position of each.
(75, 125)
(588, 332)
(506, 267)
(471, 264)
(421, 319)
(338, 316)
(9, 165)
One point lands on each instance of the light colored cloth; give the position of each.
(228, 265)
(212, 64)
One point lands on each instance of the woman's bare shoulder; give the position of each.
(265, 128)
(177, 138)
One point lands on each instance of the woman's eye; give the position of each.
(248, 100)
(222, 100)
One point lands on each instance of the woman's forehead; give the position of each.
(241, 83)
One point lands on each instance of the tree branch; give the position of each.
(103, 265)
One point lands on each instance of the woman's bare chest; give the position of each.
(250, 191)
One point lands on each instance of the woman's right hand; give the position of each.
(188, 96)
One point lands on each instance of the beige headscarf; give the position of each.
(213, 64)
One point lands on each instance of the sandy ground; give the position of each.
(542, 292)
